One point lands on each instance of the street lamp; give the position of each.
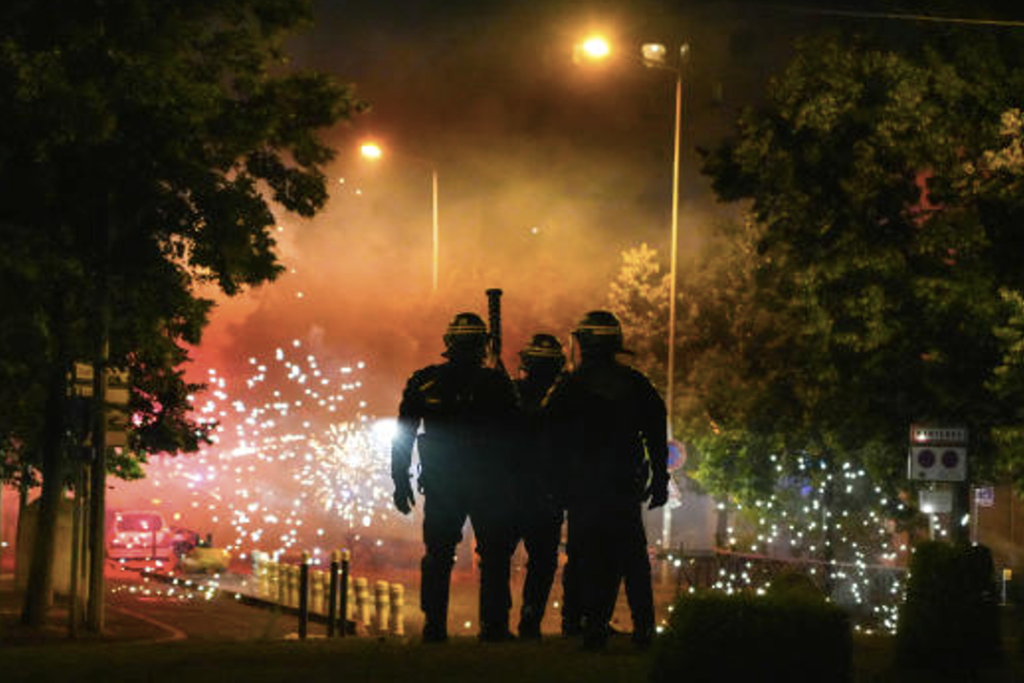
(655, 56)
(592, 48)
(373, 152)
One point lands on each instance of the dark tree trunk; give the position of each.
(39, 593)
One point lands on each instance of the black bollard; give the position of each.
(343, 592)
(304, 596)
(332, 599)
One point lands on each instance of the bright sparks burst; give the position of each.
(296, 461)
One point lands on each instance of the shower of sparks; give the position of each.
(296, 464)
(838, 527)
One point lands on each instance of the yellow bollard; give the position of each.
(293, 585)
(362, 589)
(397, 609)
(316, 593)
(381, 607)
(262, 577)
(280, 590)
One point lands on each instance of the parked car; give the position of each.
(184, 540)
(140, 535)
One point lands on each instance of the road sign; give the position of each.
(937, 453)
(676, 455)
(935, 501)
(116, 406)
(81, 380)
(937, 463)
(985, 496)
(949, 436)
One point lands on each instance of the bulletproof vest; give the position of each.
(600, 412)
(465, 411)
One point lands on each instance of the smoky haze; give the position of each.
(547, 171)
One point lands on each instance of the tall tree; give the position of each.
(881, 273)
(143, 143)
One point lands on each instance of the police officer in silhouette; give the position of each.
(466, 411)
(609, 425)
(539, 507)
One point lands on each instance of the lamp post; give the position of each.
(374, 151)
(655, 56)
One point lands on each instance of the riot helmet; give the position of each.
(466, 338)
(599, 334)
(543, 355)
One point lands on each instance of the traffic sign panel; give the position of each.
(951, 436)
(937, 463)
(985, 496)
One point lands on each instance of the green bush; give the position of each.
(950, 619)
(793, 635)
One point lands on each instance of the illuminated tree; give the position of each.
(639, 297)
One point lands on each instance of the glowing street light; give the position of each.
(596, 47)
(373, 151)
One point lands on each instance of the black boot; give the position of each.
(529, 623)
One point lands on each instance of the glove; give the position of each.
(658, 493)
(404, 498)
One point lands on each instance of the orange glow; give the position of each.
(595, 47)
(371, 150)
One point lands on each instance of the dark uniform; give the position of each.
(539, 513)
(466, 411)
(609, 424)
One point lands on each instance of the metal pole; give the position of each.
(343, 592)
(666, 515)
(304, 596)
(974, 517)
(436, 235)
(332, 599)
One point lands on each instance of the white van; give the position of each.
(139, 535)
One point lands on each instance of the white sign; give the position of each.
(985, 496)
(950, 436)
(935, 501)
(937, 463)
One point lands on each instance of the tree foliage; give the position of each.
(639, 296)
(142, 146)
(875, 266)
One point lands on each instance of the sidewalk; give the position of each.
(120, 626)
